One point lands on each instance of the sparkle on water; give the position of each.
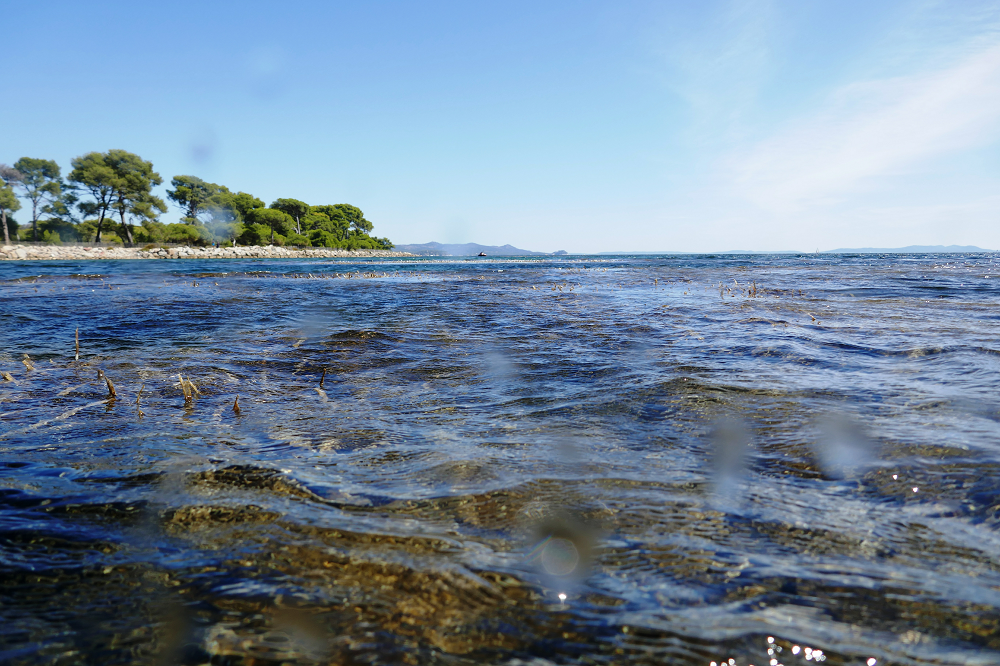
(777, 459)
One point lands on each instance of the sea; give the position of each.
(683, 459)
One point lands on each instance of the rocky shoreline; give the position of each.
(60, 252)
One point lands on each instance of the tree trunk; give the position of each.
(34, 220)
(100, 223)
(272, 234)
(298, 227)
(128, 232)
(6, 234)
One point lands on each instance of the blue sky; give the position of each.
(584, 126)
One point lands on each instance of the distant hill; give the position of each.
(468, 250)
(908, 248)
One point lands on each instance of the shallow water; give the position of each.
(679, 459)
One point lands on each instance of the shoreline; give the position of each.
(60, 252)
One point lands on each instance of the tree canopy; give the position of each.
(192, 194)
(40, 184)
(275, 220)
(132, 189)
(294, 208)
(121, 184)
(95, 175)
(8, 200)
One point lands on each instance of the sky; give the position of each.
(562, 125)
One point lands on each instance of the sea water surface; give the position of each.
(595, 460)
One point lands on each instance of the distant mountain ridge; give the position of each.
(908, 248)
(473, 249)
(468, 250)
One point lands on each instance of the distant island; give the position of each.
(908, 248)
(921, 249)
(470, 250)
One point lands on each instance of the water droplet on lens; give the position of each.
(560, 557)
(843, 449)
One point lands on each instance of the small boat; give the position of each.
(481, 254)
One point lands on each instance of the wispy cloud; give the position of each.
(871, 130)
(718, 70)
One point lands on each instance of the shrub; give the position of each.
(321, 238)
(255, 234)
(361, 243)
(56, 231)
(297, 239)
(185, 234)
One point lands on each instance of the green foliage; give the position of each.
(132, 189)
(192, 194)
(334, 226)
(320, 238)
(122, 182)
(152, 231)
(86, 231)
(344, 220)
(329, 219)
(145, 209)
(297, 239)
(93, 175)
(66, 206)
(243, 203)
(59, 230)
(217, 211)
(255, 234)
(183, 233)
(294, 208)
(277, 221)
(8, 204)
(40, 183)
(149, 236)
(8, 200)
(361, 242)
